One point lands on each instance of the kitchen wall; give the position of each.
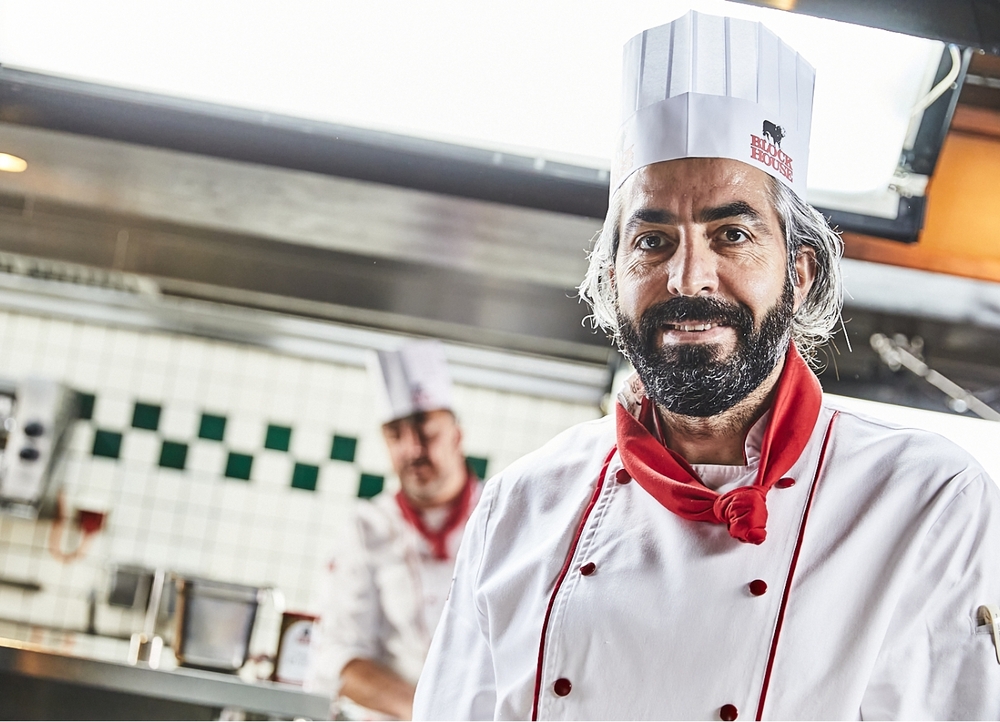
(215, 459)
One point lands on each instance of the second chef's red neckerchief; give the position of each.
(668, 477)
(438, 539)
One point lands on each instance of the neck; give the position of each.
(719, 439)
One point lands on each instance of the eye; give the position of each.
(735, 235)
(649, 242)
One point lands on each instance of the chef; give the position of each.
(727, 544)
(385, 585)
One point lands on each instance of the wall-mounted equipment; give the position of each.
(35, 415)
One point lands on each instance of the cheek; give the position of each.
(633, 285)
(756, 281)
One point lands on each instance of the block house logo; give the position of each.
(766, 149)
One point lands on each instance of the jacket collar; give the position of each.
(669, 478)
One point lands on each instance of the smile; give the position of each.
(689, 327)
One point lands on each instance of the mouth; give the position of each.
(690, 327)
(695, 332)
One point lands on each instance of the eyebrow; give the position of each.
(650, 215)
(736, 209)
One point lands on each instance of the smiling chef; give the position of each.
(727, 544)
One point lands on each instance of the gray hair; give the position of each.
(802, 225)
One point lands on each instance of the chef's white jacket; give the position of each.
(381, 596)
(578, 596)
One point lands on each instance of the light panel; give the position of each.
(528, 77)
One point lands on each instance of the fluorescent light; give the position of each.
(523, 76)
(12, 164)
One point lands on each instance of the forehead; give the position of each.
(419, 420)
(687, 186)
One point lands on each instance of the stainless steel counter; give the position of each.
(53, 665)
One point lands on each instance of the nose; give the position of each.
(692, 269)
(411, 441)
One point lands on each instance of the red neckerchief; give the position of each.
(671, 481)
(438, 539)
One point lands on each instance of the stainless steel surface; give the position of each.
(214, 623)
(109, 187)
(182, 685)
(482, 272)
(582, 382)
(194, 126)
(129, 585)
(36, 417)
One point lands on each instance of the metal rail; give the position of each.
(898, 352)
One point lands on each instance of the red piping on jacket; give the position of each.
(791, 571)
(562, 575)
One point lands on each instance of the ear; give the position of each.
(805, 274)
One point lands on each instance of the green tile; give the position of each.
(146, 416)
(238, 466)
(107, 443)
(304, 476)
(85, 405)
(344, 448)
(278, 437)
(173, 455)
(212, 427)
(370, 485)
(478, 465)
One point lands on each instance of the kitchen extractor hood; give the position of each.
(485, 103)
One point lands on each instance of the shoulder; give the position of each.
(564, 456)
(865, 429)
(377, 520)
(560, 473)
(922, 461)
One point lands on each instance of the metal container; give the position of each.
(214, 623)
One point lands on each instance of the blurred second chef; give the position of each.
(385, 585)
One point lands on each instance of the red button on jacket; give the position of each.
(728, 712)
(758, 587)
(588, 569)
(563, 686)
(622, 477)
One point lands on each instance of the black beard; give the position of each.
(693, 379)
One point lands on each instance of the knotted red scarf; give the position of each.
(438, 539)
(668, 477)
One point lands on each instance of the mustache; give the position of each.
(694, 309)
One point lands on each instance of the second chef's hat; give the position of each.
(410, 380)
(705, 86)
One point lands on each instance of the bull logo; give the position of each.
(773, 132)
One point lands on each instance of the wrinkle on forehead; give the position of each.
(695, 190)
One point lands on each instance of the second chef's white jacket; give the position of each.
(381, 596)
(578, 596)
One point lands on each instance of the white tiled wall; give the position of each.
(196, 521)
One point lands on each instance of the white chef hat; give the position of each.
(705, 86)
(410, 380)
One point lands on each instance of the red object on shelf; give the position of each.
(90, 521)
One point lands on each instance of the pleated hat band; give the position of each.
(705, 86)
(412, 379)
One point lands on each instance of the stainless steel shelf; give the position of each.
(209, 689)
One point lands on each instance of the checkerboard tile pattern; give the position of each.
(237, 463)
(216, 459)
